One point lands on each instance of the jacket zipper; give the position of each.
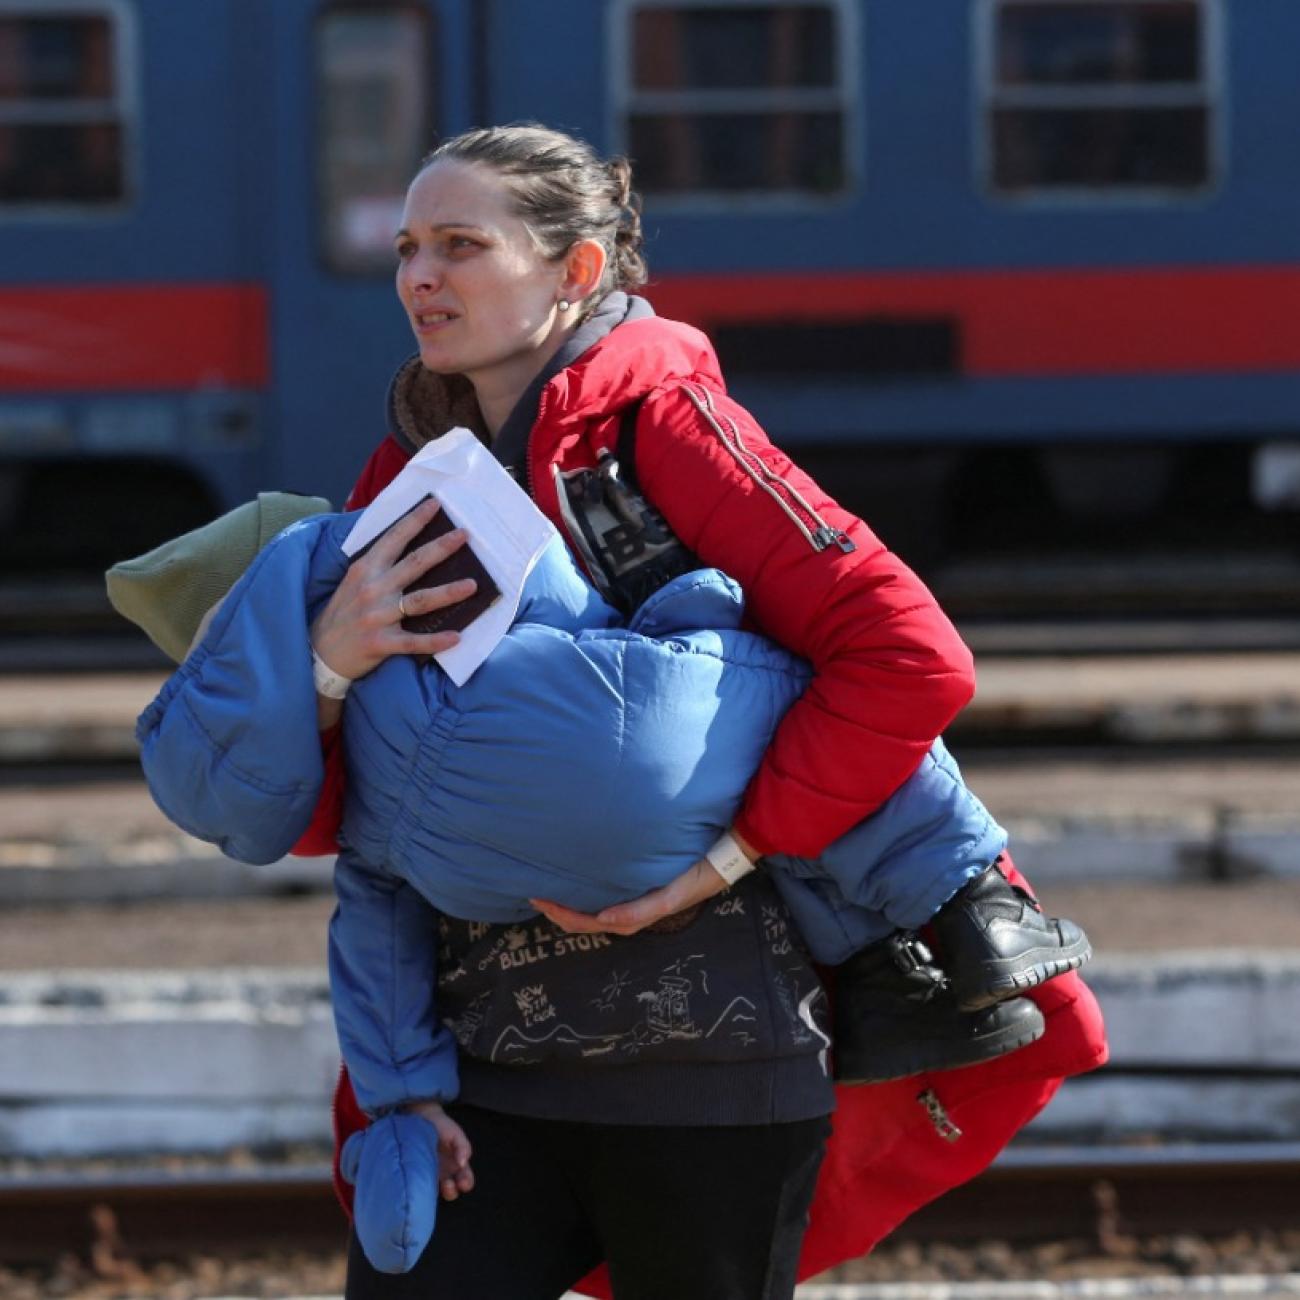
(938, 1114)
(816, 531)
(529, 486)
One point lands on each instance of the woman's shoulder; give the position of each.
(693, 414)
(639, 360)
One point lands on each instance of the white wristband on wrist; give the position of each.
(728, 859)
(332, 685)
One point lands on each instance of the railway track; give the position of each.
(1101, 1194)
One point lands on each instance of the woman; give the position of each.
(684, 1149)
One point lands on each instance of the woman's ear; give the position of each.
(584, 266)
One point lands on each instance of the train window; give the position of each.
(376, 122)
(1102, 96)
(735, 98)
(64, 105)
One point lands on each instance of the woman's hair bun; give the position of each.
(630, 268)
(620, 173)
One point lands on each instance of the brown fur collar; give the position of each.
(423, 405)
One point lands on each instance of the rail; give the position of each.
(1030, 1194)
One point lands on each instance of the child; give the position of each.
(231, 754)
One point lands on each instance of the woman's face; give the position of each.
(479, 294)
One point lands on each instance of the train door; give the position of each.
(362, 91)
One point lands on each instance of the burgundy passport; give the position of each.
(461, 564)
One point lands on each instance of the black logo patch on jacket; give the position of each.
(626, 544)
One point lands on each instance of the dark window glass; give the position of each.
(375, 123)
(1149, 147)
(1073, 44)
(55, 163)
(734, 48)
(681, 152)
(55, 58)
(62, 138)
(1101, 94)
(737, 98)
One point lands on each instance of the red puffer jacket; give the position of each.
(890, 674)
(890, 669)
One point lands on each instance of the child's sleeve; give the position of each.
(229, 745)
(382, 950)
(322, 836)
(383, 944)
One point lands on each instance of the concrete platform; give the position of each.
(1138, 698)
(1204, 1045)
(1072, 818)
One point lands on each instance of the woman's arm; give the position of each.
(890, 671)
(357, 628)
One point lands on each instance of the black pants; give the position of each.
(679, 1213)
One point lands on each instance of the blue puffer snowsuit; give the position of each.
(585, 761)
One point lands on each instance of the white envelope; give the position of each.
(506, 529)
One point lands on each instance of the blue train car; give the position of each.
(956, 252)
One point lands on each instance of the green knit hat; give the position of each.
(168, 590)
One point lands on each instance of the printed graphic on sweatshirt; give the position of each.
(534, 1005)
(611, 993)
(466, 1026)
(517, 947)
(776, 931)
(667, 1009)
(798, 992)
(528, 993)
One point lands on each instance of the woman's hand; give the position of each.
(695, 885)
(361, 626)
(454, 1174)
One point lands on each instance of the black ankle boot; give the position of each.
(995, 942)
(895, 1016)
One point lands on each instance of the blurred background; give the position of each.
(1017, 280)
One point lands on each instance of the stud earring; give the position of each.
(564, 304)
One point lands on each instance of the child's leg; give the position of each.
(895, 1016)
(894, 870)
(925, 858)
(995, 941)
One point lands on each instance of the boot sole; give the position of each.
(988, 1048)
(1002, 983)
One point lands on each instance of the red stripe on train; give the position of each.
(1079, 322)
(1011, 322)
(100, 337)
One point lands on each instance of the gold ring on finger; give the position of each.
(401, 606)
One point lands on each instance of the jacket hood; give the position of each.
(621, 353)
(629, 363)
